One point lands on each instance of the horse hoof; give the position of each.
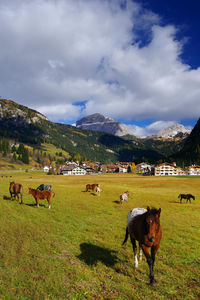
(152, 281)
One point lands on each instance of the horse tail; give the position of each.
(126, 236)
(53, 194)
(179, 196)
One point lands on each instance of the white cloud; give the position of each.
(56, 53)
(151, 129)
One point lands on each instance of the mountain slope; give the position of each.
(190, 152)
(22, 124)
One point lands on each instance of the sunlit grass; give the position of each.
(74, 250)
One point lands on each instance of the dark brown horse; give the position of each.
(37, 194)
(143, 225)
(186, 196)
(91, 187)
(15, 189)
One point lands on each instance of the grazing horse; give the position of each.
(124, 197)
(91, 186)
(37, 194)
(144, 226)
(44, 187)
(15, 189)
(186, 196)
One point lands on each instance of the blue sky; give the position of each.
(134, 61)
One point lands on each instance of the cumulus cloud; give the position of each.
(57, 53)
(151, 129)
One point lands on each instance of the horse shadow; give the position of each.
(6, 197)
(174, 201)
(92, 254)
(34, 204)
(93, 194)
(117, 201)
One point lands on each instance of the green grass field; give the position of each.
(73, 251)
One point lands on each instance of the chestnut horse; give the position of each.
(37, 194)
(186, 196)
(15, 189)
(91, 186)
(144, 226)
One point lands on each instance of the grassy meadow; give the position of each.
(74, 251)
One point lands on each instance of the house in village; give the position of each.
(144, 168)
(70, 170)
(123, 167)
(46, 169)
(167, 169)
(192, 170)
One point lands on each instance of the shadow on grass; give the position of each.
(6, 197)
(116, 201)
(91, 254)
(34, 205)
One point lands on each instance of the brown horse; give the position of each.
(91, 187)
(15, 189)
(37, 194)
(144, 226)
(186, 196)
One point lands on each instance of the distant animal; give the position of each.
(15, 189)
(37, 194)
(44, 187)
(91, 187)
(124, 197)
(143, 225)
(98, 190)
(186, 196)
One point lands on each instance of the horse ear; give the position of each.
(159, 211)
(148, 208)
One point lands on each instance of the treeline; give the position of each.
(20, 153)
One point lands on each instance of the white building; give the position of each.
(192, 170)
(143, 168)
(72, 171)
(46, 169)
(167, 169)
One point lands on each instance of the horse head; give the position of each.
(152, 223)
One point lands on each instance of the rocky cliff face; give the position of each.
(98, 122)
(175, 131)
(19, 113)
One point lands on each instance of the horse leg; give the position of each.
(17, 198)
(49, 201)
(150, 263)
(140, 252)
(37, 202)
(21, 199)
(135, 251)
(154, 249)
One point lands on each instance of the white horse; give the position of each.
(124, 197)
(98, 190)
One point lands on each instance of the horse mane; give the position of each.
(152, 211)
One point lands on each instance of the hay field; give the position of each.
(73, 251)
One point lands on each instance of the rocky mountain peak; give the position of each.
(98, 122)
(10, 109)
(173, 131)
